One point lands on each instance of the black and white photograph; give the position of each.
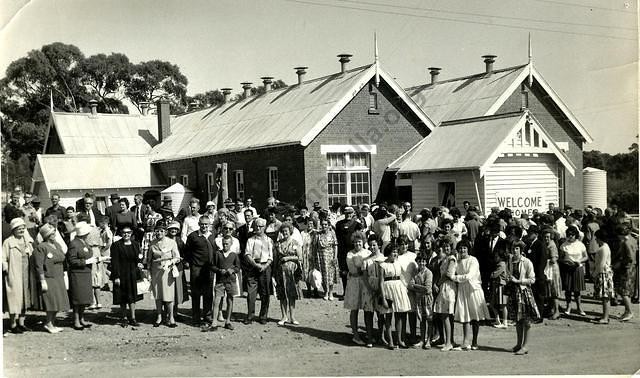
(319, 187)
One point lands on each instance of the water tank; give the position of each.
(595, 187)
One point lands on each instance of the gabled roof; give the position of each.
(483, 95)
(294, 115)
(84, 133)
(476, 144)
(95, 171)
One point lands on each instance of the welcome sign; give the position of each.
(521, 201)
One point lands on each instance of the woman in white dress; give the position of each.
(470, 304)
(445, 303)
(395, 296)
(357, 295)
(163, 255)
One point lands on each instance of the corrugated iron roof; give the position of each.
(279, 117)
(465, 97)
(285, 116)
(95, 172)
(83, 133)
(465, 145)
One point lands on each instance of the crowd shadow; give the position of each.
(339, 338)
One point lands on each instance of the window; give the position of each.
(240, 184)
(101, 203)
(184, 180)
(447, 193)
(348, 178)
(273, 182)
(211, 186)
(172, 180)
(373, 100)
(561, 186)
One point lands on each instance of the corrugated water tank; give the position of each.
(595, 187)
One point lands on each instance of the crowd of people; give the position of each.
(432, 268)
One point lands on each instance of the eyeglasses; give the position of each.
(227, 228)
(127, 232)
(203, 224)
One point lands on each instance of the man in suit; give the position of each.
(140, 212)
(112, 210)
(245, 231)
(90, 211)
(198, 253)
(486, 247)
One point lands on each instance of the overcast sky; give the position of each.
(586, 50)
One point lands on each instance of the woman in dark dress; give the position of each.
(126, 260)
(124, 218)
(49, 260)
(79, 259)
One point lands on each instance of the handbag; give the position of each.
(174, 272)
(548, 271)
(143, 285)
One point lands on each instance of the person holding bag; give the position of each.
(573, 255)
(126, 265)
(161, 260)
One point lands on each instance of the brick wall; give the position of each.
(561, 130)
(394, 129)
(254, 164)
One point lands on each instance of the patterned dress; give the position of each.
(554, 282)
(288, 274)
(446, 300)
(323, 250)
(603, 282)
(522, 305)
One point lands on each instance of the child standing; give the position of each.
(499, 297)
(226, 266)
(421, 285)
(395, 298)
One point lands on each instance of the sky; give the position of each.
(587, 50)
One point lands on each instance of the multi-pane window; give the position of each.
(273, 181)
(348, 178)
(185, 180)
(172, 180)
(561, 186)
(373, 101)
(240, 185)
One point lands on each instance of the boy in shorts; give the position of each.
(226, 266)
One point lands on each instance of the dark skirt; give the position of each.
(522, 305)
(572, 278)
(127, 291)
(56, 298)
(80, 290)
(626, 281)
(498, 296)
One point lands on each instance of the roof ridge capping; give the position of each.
(460, 121)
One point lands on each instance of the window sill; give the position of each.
(374, 111)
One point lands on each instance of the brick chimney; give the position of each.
(300, 71)
(434, 71)
(94, 107)
(344, 59)
(246, 89)
(267, 81)
(164, 128)
(144, 108)
(227, 94)
(488, 61)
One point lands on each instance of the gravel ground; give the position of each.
(320, 345)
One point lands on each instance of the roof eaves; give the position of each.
(554, 147)
(222, 152)
(507, 93)
(438, 169)
(407, 99)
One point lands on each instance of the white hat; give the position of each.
(16, 222)
(210, 203)
(82, 228)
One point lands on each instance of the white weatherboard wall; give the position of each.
(525, 175)
(424, 189)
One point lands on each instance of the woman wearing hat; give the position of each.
(470, 303)
(49, 259)
(126, 261)
(16, 251)
(162, 257)
(79, 260)
(182, 295)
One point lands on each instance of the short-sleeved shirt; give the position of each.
(260, 249)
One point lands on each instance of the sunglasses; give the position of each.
(227, 228)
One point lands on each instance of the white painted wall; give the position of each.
(425, 188)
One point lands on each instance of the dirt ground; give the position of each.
(321, 345)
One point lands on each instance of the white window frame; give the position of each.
(172, 180)
(210, 182)
(184, 180)
(273, 178)
(239, 176)
(348, 170)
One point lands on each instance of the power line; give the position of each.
(585, 6)
(457, 20)
(487, 15)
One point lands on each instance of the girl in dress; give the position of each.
(554, 282)
(372, 271)
(522, 306)
(357, 295)
(603, 275)
(395, 298)
(499, 296)
(445, 303)
(573, 255)
(288, 272)
(325, 250)
(470, 304)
